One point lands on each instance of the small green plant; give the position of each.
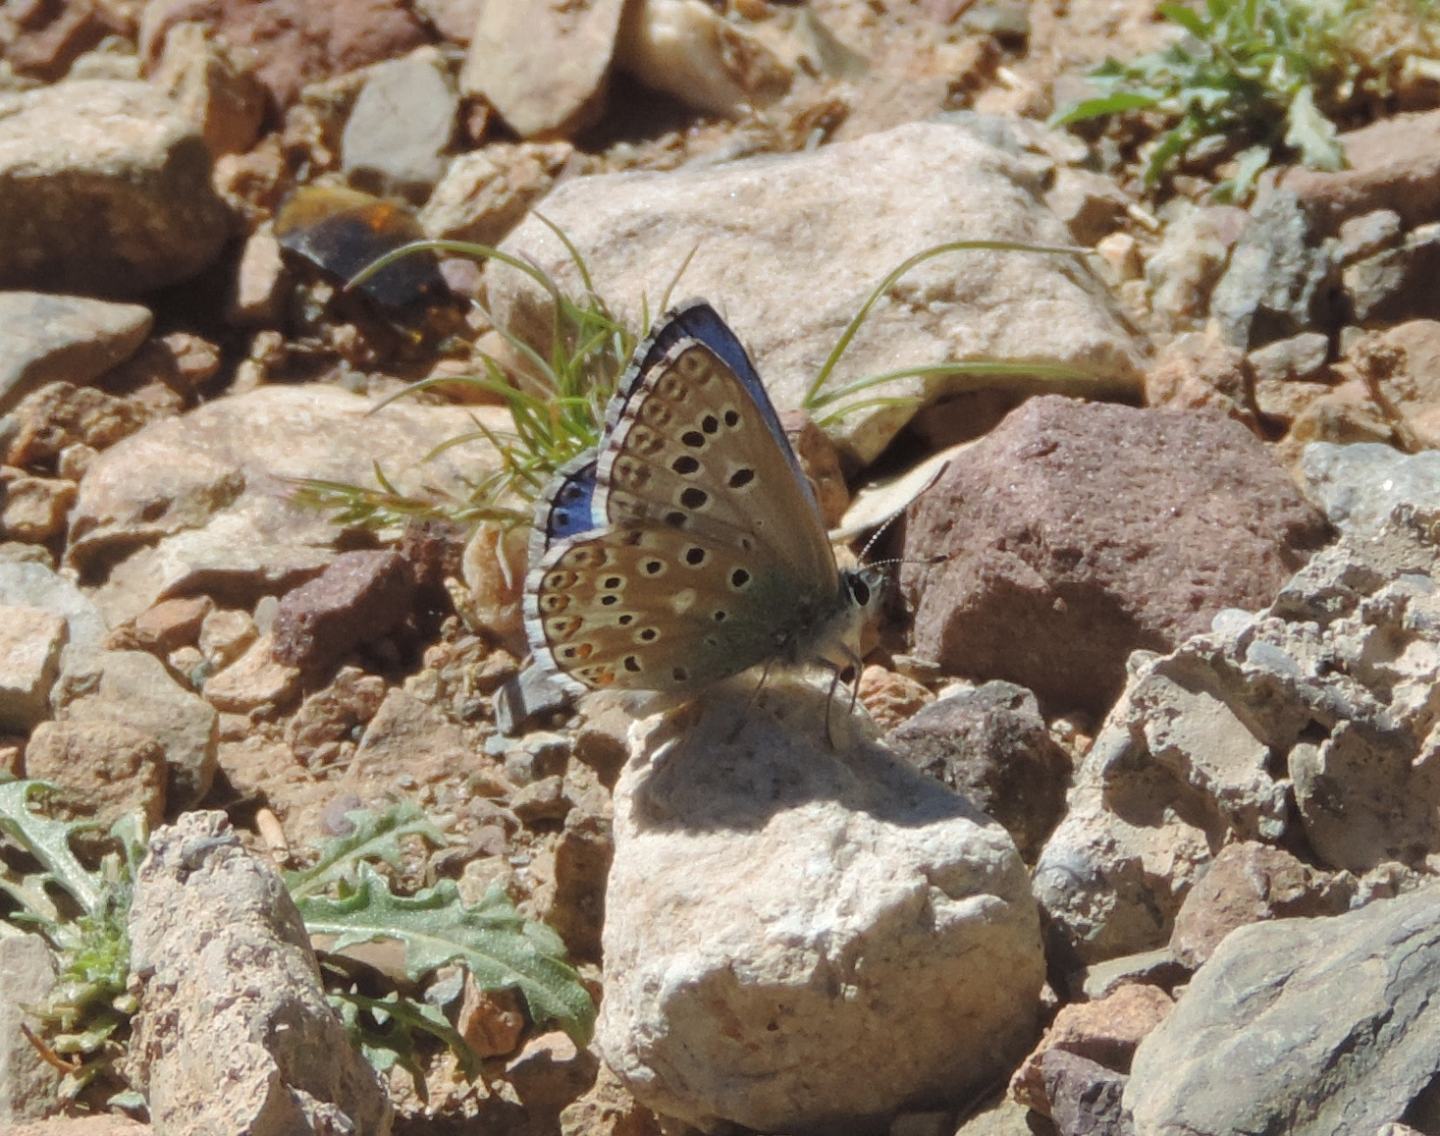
(1253, 79)
(81, 913)
(344, 900)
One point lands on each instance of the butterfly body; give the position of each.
(689, 547)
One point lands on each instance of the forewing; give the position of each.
(693, 450)
(651, 607)
(563, 510)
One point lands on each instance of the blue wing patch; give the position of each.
(564, 508)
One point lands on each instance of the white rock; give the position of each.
(803, 938)
(789, 248)
(30, 643)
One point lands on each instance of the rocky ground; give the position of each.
(1135, 829)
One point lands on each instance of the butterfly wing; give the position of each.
(564, 509)
(693, 449)
(650, 607)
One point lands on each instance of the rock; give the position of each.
(1392, 164)
(133, 689)
(1149, 968)
(42, 42)
(1301, 1025)
(106, 770)
(33, 585)
(212, 88)
(1393, 285)
(329, 719)
(1076, 533)
(606, 1109)
(1309, 711)
(544, 69)
(548, 1075)
(1368, 234)
(1084, 1098)
(261, 282)
(33, 508)
(402, 122)
(1301, 358)
(233, 1030)
(529, 698)
(492, 1022)
(225, 636)
(485, 193)
(742, 220)
(30, 643)
(572, 899)
(821, 464)
(1089, 204)
(403, 727)
(29, 1087)
(694, 54)
(1196, 371)
(1402, 366)
(1248, 883)
(50, 338)
(164, 627)
(59, 416)
(258, 683)
(104, 1124)
(1106, 1032)
(201, 503)
(1278, 282)
(890, 698)
(1360, 486)
(992, 746)
(1183, 271)
(1002, 1118)
(541, 801)
(734, 935)
(104, 188)
(360, 598)
(292, 42)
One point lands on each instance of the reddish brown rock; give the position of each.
(890, 698)
(1248, 883)
(1402, 366)
(293, 42)
(1106, 1032)
(105, 769)
(1392, 164)
(1197, 371)
(163, 627)
(40, 38)
(1077, 533)
(359, 598)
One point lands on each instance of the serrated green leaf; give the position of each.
(436, 927)
(49, 842)
(374, 836)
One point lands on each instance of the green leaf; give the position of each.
(436, 927)
(1187, 18)
(49, 842)
(1312, 134)
(1117, 103)
(374, 836)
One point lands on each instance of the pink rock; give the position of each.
(1076, 533)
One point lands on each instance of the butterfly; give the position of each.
(688, 546)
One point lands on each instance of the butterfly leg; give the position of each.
(751, 702)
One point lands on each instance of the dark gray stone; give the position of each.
(1279, 280)
(529, 698)
(1310, 1027)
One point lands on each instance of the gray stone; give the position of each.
(1397, 284)
(1312, 1027)
(1297, 359)
(30, 644)
(51, 338)
(133, 689)
(1278, 282)
(1368, 234)
(29, 1087)
(776, 905)
(1359, 486)
(992, 746)
(884, 197)
(104, 188)
(234, 1032)
(28, 584)
(1317, 709)
(401, 124)
(530, 697)
(201, 503)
